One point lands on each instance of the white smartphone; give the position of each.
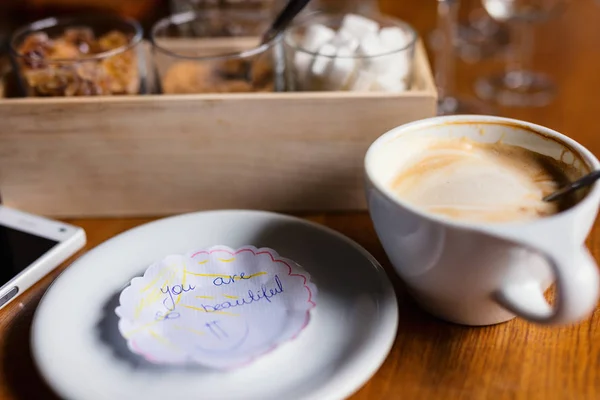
(30, 247)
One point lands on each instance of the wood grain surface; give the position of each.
(432, 359)
(73, 157)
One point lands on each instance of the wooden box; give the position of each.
(165, 154)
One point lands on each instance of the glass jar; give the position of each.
(215, 51)
(347, 61)
(79, 56)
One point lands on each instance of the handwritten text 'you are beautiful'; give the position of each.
(252, 296)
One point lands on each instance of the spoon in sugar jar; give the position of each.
(285, 17)
(582, 182)
(280, 24)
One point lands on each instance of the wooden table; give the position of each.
(432, 359)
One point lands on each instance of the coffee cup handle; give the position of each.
(577, 282)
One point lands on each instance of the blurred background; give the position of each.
(566, 47)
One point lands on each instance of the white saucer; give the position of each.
(78, 348)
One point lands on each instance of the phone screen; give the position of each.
(18, 250)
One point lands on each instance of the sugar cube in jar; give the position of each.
(351, 52)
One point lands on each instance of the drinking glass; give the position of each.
(519, 85)
(480, 36)
(449, 103)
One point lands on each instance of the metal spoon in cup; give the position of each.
(582, 182)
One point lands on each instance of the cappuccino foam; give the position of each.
(497, 182)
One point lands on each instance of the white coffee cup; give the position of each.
(487, 273)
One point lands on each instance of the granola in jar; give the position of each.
(78, 63)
